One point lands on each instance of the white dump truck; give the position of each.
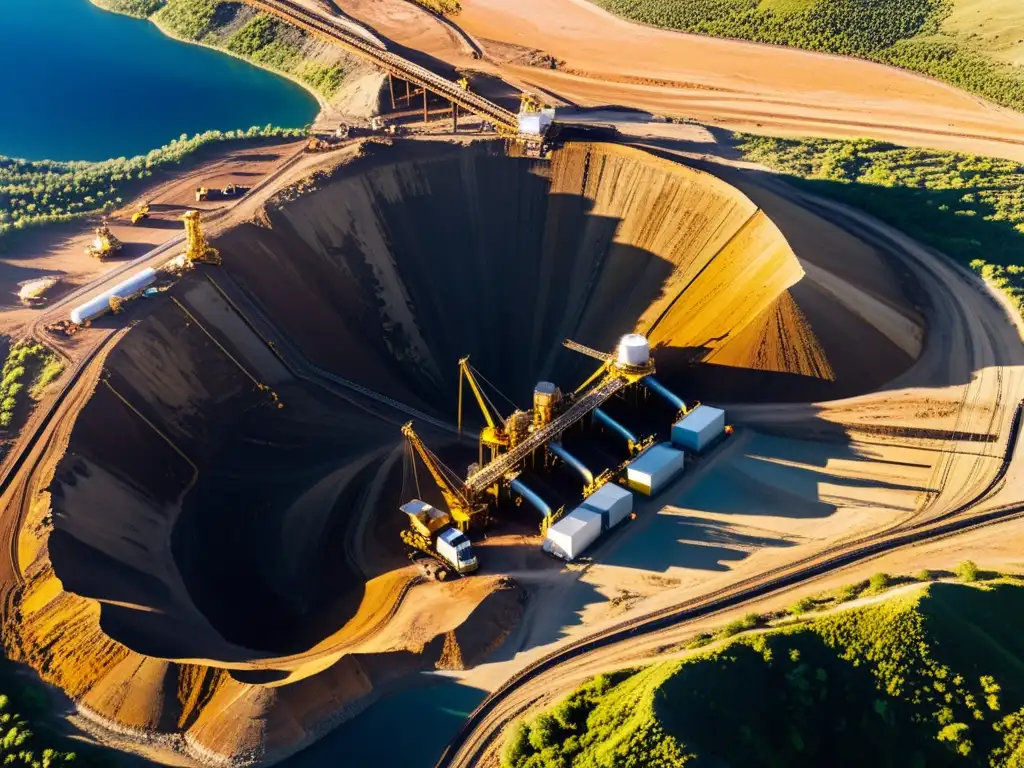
(431, 532)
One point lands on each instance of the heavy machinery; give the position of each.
(197, 249)
(431, 531)
(511, 443)
(495, 435)
(105, 245)
(461, 507)
(142, 212)
(202, 193)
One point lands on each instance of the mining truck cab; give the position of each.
(455, 547)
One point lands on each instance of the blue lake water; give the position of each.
(80, 83)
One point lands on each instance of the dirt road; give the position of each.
(605, 60)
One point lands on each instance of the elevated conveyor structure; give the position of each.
(507, 463)
(504, 120)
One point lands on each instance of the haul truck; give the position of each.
(431, 531)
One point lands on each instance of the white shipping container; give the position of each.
(100, 304)
(698, 428)
(649, 472)
(571, 535)
(612, 502)
(533, 123)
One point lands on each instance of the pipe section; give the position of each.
(536, 501)
(656, 386)
(560, 451)
(613, 425)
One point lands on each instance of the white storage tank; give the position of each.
(634, 349)
(649, 472)
(100, 304)
(571, 535)
(698, 428)
(611, 502)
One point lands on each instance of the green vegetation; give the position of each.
(27, 736)
(966, 571)
(912, 34)
(879, 583)
(36, 192)
(444, 7)
(969, 207)
(140, 9)
(32, 360)
(934, 678)
(258, 37)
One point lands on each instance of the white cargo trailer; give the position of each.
(611, 502)
(571, 535)
(698, 428)
(649, 472)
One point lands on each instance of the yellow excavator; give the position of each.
(105, 245)
(142, 212)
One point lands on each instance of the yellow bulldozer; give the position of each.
(105, 245)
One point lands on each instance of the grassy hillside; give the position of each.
(933, 678)
(971, 208)
(249, 34)
(972, 44)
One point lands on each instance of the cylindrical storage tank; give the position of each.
(634, 349)
(571, 535)
(612, 502)
(653, 469)
(100, 304)
(698, 428)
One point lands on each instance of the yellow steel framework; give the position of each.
(495, 435)
(197, 249)
(469, 498)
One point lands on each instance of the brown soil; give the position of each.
(225, 574)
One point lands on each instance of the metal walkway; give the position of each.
(389, 62)
(491, 473)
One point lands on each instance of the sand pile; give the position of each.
(193, 575)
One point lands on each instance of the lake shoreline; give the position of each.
(320, 100)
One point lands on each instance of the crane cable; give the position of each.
(498, 391)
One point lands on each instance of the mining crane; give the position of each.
(461, 505)
(495, 435)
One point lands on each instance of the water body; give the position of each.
(81, 83)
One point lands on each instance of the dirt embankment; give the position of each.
(409, 258)
(191, 579)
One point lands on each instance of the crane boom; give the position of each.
(465, 371)
(453, 494)
(590, 352)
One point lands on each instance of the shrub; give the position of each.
(966, 571)
(925, 575)
(878, 582)
(801, 606)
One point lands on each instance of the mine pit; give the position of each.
(210, 525)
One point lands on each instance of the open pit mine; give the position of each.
(217, 568)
